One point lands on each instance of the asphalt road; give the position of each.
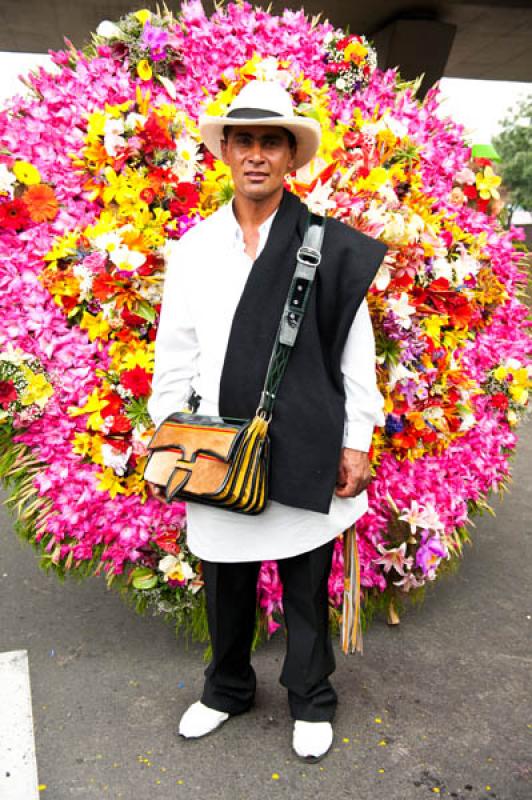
(439, 705)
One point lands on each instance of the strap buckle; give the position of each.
(309, 255)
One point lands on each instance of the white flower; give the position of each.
(422, 516)
(85, 278)
(465, 175)
(395, 227)
(394, 557)
(308, 172)
(13, 354)
(115, 458)
(106, 242)
(267, 69)
(408, 582)
(398, 373)
(108, 30)
(402, 309)
(442, 268)
(7, 179)
(176, 568)
(124, 258)
(168, 85)
(377, 215)
(397, 127)
(340, 84)
(464, 266)
(130, 122)
(414, 227)
(113, 139)
(383, 277)
(186, 158)
(468, 421)
(318, 200)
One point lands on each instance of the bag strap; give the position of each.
(307, 261)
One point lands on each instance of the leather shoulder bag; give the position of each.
(223, 461)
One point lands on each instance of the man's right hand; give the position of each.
(156, 491)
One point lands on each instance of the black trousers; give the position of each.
(231, 594)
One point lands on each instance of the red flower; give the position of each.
(156, 135)
(500, 400)
(118, 443)
(167, 541)
(186, 197)
(341, 44)
(137, 381)
(131, 319)
(148, 195)
(470, 191)
(68, 303)
(113, 405)
(14, 215)
(8, 393)
(103, 287)
(121, 424)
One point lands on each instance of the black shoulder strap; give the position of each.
(307, 260)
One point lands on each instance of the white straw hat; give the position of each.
(263, 103)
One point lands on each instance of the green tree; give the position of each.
(514, 145)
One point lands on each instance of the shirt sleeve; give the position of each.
(364, 402)
(176, 343)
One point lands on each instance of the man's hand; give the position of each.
(354, 473)
(156, 491)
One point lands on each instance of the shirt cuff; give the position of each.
(358, 436)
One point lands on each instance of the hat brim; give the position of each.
(306, 131)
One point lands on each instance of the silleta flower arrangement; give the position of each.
(102, 169)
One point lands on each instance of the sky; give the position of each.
(479, 105)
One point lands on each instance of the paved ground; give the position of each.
(439, 705)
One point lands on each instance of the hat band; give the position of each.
(252, 113)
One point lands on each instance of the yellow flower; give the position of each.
(91, 407)
(144, 71)
(62, 247)
(143, 15)
(376, 178)
(96, 326)
(355, 51)
(26, 173)
(487, 183)
(117, 109)
(109, 482)
(433, 326)
(82, 444)
(500, 373)
(95, 125)
(125, 355)
(519, 386)
(37, 391)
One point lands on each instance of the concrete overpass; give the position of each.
(477, 39)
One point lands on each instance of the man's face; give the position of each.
(259, 157)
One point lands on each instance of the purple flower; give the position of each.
(430, 553)
(155, 39)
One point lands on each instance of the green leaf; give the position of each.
(144, 578)
(143, 309)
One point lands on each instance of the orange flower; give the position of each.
(41, 202)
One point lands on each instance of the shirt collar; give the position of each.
(236, 231)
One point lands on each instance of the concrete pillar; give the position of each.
(416, 46)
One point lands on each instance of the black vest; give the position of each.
(308, 417)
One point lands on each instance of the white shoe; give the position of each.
(312, 740)
(198, 720)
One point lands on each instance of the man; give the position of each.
(225, 287)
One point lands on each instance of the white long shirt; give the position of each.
(205, 275)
